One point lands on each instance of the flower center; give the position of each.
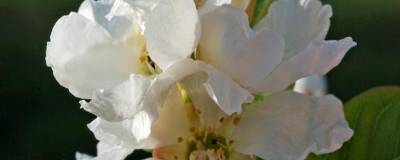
(210, 154)
(207, 146)
(204, 140)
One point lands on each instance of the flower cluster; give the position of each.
(180, 77)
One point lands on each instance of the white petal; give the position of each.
(112, 152)
(172, 31)
(313, 85)
(120, 102)
(225, 92)
(138, 9)
(84, 57)
(211, 113)
(118, 133)
(228, 95)
(83, 156)
(318, 58)
(106, 152)
(96, 10)
(210, 5)
(86, 9)
(131, 133)
(290, 125)
(172, 122)
(228, 43)
(100, 13)
(300, 22)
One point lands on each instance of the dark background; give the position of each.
(41, 120)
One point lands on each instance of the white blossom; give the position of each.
(189, 123)
(177, 76)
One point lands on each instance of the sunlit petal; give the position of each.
(172, 123)
(99, 12)
(106, 152)
(300, 22)
(229, 44)
(120, 102)
(131, 133)
(205, 6)
(289, 125)
(172, 31)
(228, 95)
(318, 58)
(85, 57)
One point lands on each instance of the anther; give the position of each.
(236, 121)
(198, 111)
(192, 129)
(180, 139)
(221, 119)
(231, 142)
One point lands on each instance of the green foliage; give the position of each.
(260, 10)
(375, 117)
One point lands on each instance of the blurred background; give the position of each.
(41, 120)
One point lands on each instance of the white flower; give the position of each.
(108, 40)
(173, 28)
(88, 52)
(125, 119)
(287, 126)
(187, 122)
(172, 31)
(288, 44)
(191, 110)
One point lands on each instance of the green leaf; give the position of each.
(375, 117)
(260, 9)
